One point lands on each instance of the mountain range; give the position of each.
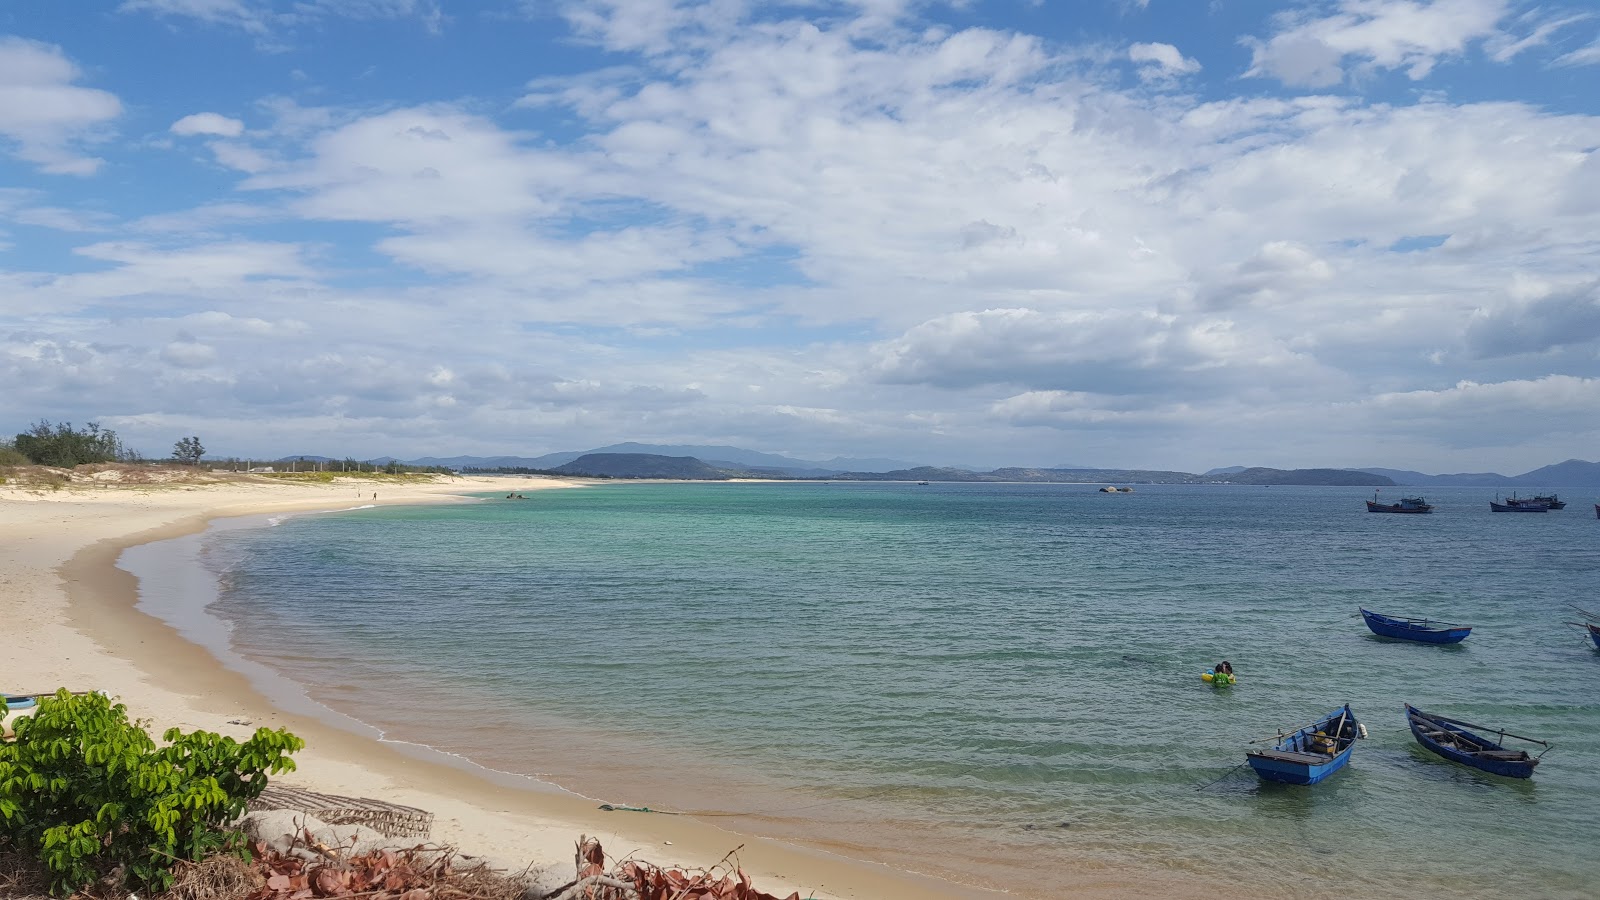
(729, 461)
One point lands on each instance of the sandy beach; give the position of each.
(72, 622)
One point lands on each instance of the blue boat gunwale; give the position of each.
(1292, 761)
(1409, 628)
(1492, 757)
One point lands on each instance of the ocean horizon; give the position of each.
(993, 683)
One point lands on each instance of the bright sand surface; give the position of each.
(71, 621)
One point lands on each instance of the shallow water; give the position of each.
(998, 683)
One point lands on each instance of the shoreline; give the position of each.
(64, 583)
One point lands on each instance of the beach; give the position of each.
(72, 622)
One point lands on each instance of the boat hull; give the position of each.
(1518, 507)
(1397, 508)
(1295, 761)
(1427, 730)
(1403, 630)
(1594, 635)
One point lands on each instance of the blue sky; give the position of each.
(1167, 234)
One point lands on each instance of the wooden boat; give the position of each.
(1551, 500)
(1591, 626)
(1451, 739)
(1592, 629)
(1311, 754)
(1406, 505)
(1512, 504)
(1405, 628)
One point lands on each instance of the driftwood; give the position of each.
(635, 880)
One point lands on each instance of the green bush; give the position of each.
(85, 791)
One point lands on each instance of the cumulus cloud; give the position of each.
(207, 123)
(1559, 318)
(841, 232)
(1163, 59)
(43, 114)
(1310, 50)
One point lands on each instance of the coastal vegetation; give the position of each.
(90, 795)
(64, 446)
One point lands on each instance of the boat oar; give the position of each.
(1584, 611)
(1283, 734)
(1500, 731)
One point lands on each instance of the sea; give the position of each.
(996, 684)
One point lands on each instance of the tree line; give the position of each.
(63, 446)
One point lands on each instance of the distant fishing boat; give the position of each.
(1551, 500)
(1406, 505)
(1405, 628)
(1591, 626)
(1513, 504)
(1451, 739)
(1311, 754)
(1597, 510)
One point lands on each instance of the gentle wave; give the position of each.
(997, 683)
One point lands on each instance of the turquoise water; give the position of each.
(995, 683)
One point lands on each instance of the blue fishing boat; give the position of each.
(1311, 754)
(1513, 504)
(1406, 505)
(1590, 625)
(1451, 739)
(1553, 501)
(1404, 628)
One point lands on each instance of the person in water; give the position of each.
(1225, 668)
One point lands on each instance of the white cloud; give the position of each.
(207, 123)
(1165, 58)
(43, 114)
(1583, 56)
(846, 234)
(261, 17)
(1309, 50)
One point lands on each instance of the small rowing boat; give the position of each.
(1591, 626)
(1311, 754)
(1451, 739)
(1406, 628)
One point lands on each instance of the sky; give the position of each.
(1162, 234)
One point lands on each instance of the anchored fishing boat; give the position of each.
(1513, 504)
(1451, 739)
(1406, 628)
(1551, 500)
(1312, 753)
(1406, 505)
(1591, 626)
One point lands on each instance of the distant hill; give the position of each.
(1047, 476)
(1338, 477)
(1572, 473)
(1229, 470)
(642, 465)
(715, 455)
(1462, 479)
